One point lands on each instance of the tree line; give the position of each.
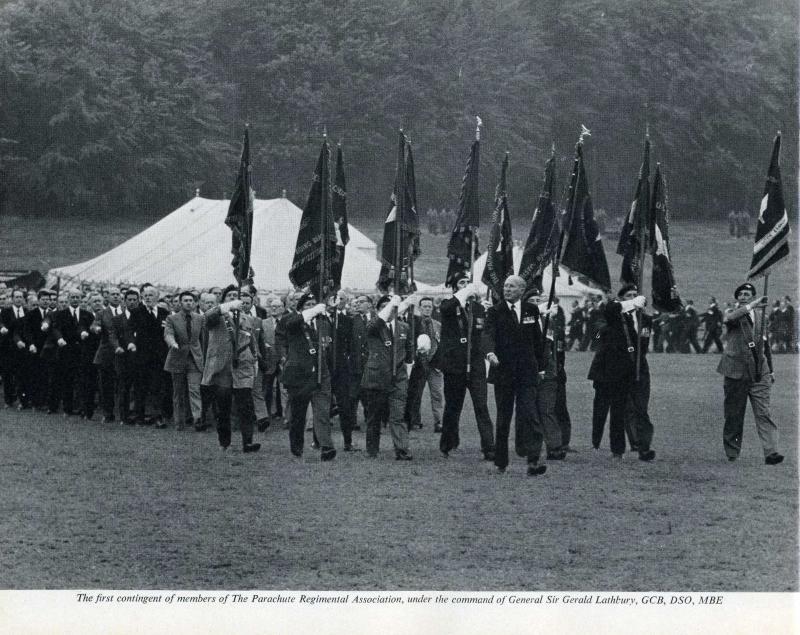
(121, 108)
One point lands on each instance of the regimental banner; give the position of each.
(542, 243)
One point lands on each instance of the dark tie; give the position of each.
(189, 327)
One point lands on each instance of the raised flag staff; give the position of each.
(240, 220)
(772, 230)
(315, 251)
(664, 290)
(339, 207)
(500, 250)
(634, 238)
(463, 244)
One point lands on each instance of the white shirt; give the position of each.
(18, 312)
(516, 307)
(635, 321)
(75, 313)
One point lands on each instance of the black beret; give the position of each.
(742, 287)
(625, 288)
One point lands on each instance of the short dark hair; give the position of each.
(130, 292)
(189, 293)
(427, 298)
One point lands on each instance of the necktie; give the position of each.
(189, 327)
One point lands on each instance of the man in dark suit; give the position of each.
(70, 326)
(123, 341)
(513, 344)
(90, 344)
(12, 351)
(185, 360)
(35, 339)
(613, 370)
(712, 319)
(385, 380)
(460, 372)
(308, 338)
(746, 365)
(281, 344)
(359, 352)
(341, 376)
(104, 358)
(147, 322)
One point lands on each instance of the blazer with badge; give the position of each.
(738, 361)
(302, 355)
(359, 351)
(615, 359)
(380, 343)
(453, 343)
(518, 345)
(189, 353)
(65, 326)
(32, 330)
(219, 369)
(149, 334)
(15, 328)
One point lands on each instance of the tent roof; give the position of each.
(191, 247)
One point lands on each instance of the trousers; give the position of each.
(528, 431)
(455, 388)
(737, 392)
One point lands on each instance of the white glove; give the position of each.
(640, 302)
(20, 345)
(403, 307)
(175, 346)
(61, 342)
(423, 343)
(487, 304)
(396, 300)
(45, 326)
(32, 348)
(470, 291)
(95, 328)
(132, 347)
(493, 361)
(119, 350)
(84, 335)
(233, 305)
(3, 330)
(314, 311)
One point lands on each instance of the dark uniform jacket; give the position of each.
(453, 345)
(615, 359)
(32, 330)
(518, 346)
(302, 351)
(149, 334)
(8, 342)
(359, 352)
(380, 341)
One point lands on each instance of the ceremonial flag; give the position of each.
(315, 251)
(411, 215)
(583, 253)
(542, 243)
(339, 205)
(665, 293)
(400, 230)
(772, 229)
(634, 235)
(240, 217)
(500, 252)
(463, 246)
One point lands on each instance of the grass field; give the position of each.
(87, 505)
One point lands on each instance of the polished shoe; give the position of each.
(488, 456)
(437, 429)
(569, 450)
(223, 448)
(109, 419)
(402, 455)
(773, 459)
(732, 458)
(87, 417)
(314, 445)
(68, 413)
(372, 455)
(536, 470)
(618, 457)
(648, 455)
(496, 471)
(180, 427)
(559, 455)
(328, 454)
(351, 448)
(263, 424)
(160, 425)
(445, 455)
(50, 411)
(251, 447)
(357, 427)
(297, 453)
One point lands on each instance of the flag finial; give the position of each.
(585, 132)
(647, 130)
(478, 124)
(324, 132)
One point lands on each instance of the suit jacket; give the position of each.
(738, 361)
(343, 332)
(15, 328)
(270, 358)
(433, 329)
(380, 342)
(32, 330)
(613, 362)
(149, 334)
(518, 345)
(453, 345)
(64, 326)
(121, 335)
(302, 351)
(359, 351)
(218, 369)
(189, 354)
(105, 350)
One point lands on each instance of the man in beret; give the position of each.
(746, 365)
(613, 372)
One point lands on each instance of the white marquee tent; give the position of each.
(191, 248)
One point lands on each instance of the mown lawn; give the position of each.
(87, 505)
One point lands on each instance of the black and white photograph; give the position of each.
(436, 316)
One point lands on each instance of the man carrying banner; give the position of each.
(746, 366)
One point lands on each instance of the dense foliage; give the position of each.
(118, 107)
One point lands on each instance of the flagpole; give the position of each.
(323, 240)
(399, 204)
(472, 233)
(640, 231)
(763, 320)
